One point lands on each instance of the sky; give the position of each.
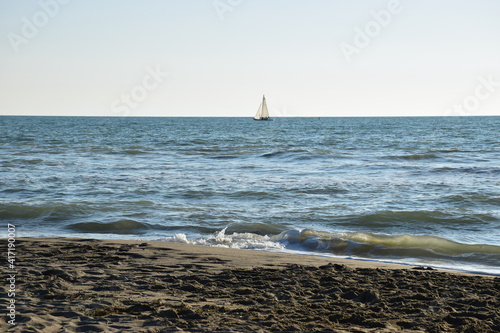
(218, 57)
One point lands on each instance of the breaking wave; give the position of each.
(235, 240)
(420, 249)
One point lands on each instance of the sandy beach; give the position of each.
(86, 285)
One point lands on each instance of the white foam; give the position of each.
(235, 241)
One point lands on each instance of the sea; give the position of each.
(409, 190)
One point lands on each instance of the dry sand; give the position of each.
(81, 285)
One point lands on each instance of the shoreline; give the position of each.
(101, 285)
(362, 261)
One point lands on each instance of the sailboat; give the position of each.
(262, 112)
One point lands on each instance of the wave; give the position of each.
(250, 194)
(23, 161)
(226, 157)
(371, 244)
(133, 152)
(274, 154)
(415, 157)
(321, 189)
(390, 218)
(235, 240)
(49, 211)
(118, 227)
(297, 154)
(469, 170)
(62, 211)
(456, 150)
(419, 249)
(473, 198)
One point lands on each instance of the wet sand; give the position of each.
(82, 285)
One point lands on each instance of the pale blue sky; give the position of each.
(95, 57)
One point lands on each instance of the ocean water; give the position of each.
(409, 190)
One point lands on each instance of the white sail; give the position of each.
(262, 112)
(259, 113)
(265, 112)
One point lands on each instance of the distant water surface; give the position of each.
(411, 190)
